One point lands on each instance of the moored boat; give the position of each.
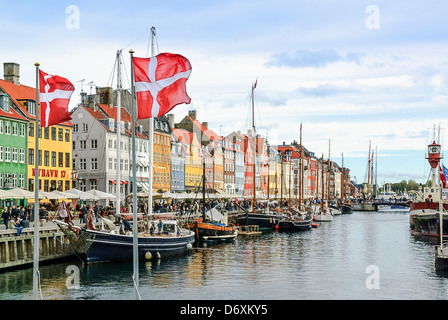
(115, 245)
(424, 215)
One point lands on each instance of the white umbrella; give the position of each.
(56, 194)
(82, 194)
(101, 195)
(5, 194)
(18, 193)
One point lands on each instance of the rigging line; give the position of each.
(112, 74)
(138, 38)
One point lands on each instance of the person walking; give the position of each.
(5, 216)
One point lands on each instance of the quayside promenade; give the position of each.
(17, 250)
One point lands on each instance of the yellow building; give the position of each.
(54, 156)
(162, 154)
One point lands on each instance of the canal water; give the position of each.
(362, 256)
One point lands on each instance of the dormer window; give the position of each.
(5, 102)
(31, 107)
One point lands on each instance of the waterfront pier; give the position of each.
(17, 250)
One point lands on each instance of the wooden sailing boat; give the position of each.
(297, 220)
(212, 226)
(261, 217)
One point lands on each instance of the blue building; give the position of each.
(177, 165)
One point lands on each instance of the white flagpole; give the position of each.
(151, 140)
(36, 194)
(134, 183)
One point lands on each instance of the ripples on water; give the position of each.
(328, 262)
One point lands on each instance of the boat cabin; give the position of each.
(169, 228)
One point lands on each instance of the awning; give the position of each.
(124, 182)
(113, 181)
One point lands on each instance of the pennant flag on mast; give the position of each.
(55, 93)
(160, 83)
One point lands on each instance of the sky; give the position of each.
(355, 73)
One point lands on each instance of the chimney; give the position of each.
(105, 95)
(205, 124)
(170, 117)
(11, 72)
(192, 114)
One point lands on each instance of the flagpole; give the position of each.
(36, 194)
(151, 139)
(134, 183)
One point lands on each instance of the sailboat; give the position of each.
(114, 243)
(297, 220)
(212, 226)
(323, 215)
(262, 218)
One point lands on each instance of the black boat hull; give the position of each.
(294, 225)
(115, 247)
(263, 220)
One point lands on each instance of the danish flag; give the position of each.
(160, 83)
(55, 93)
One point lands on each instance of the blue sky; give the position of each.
(317, 62)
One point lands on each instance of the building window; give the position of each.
(22, 181)
(93, 184)
(1, 126)
(94, 164)
(73, 145)
(53, 133)
(60, 135)
(94, 144)
(82, 164)
(30, 156)
(85, 127)
(1, 153)
(46, 158)
(67, 185)
(22, 130)
(7, 127)
(67, 160)
(53, 158)
(82, 145)
(15, 155)
(67, 135)
(47, 133)
(15, 128)
(60, 159)
(75, 127)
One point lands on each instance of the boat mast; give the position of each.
(254, 149)
(301, 171)
(323, 187)
(117, 204)
(203, 184)
(329, 172)
(134, 187)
